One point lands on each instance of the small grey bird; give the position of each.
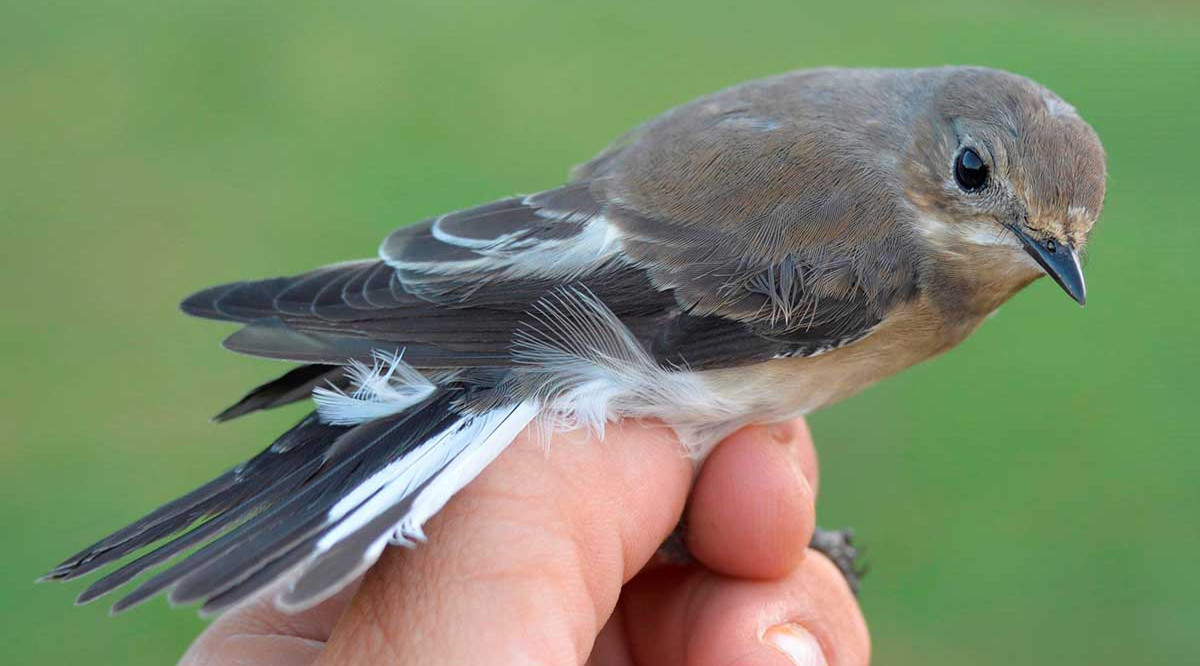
(751, 256)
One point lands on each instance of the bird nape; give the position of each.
(748, 257)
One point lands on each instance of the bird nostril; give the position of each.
(1051, 246)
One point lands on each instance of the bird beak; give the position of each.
(1060, 262)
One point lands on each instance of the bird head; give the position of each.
(1002, 166)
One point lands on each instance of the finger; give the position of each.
(258, 634)
(752, 512)
(526, 563)
(256, 650)
(612, 645)
(693, 617)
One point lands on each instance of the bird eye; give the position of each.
(970, 171)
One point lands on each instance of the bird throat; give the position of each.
(980, 265)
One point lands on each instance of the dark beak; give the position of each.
(1058, 260)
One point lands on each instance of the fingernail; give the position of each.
(797, 643)
(802, 456)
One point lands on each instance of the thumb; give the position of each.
(527, 562)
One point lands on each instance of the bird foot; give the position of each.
(838, 546)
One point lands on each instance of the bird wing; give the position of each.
(449, 291)
(717, 238)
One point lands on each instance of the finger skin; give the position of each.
(259, 634)
(752, 511)
(257, 650)
(526, 564)
(694, 617)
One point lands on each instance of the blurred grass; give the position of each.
(1029, 498)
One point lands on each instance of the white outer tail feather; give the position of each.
(499, 428)
(436, 471)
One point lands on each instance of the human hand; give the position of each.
(548, 558)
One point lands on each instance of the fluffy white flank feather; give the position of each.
(387, 386)
(587, 368)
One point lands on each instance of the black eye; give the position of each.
(970, 171)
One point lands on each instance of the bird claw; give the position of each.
(838, 546)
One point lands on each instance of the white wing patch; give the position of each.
(522, 255)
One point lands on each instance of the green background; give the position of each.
(1029, 498)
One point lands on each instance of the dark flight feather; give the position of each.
(297, 384)
(226, 492)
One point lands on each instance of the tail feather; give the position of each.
(226, 492)
(244, 510)
(250, 545)
(314, 510)
(398, 510)
(263, 578)
(267, 536)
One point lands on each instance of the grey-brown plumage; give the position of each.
(750, 256)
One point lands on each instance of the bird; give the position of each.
(748, 257)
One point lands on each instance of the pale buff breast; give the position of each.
(789, 387)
